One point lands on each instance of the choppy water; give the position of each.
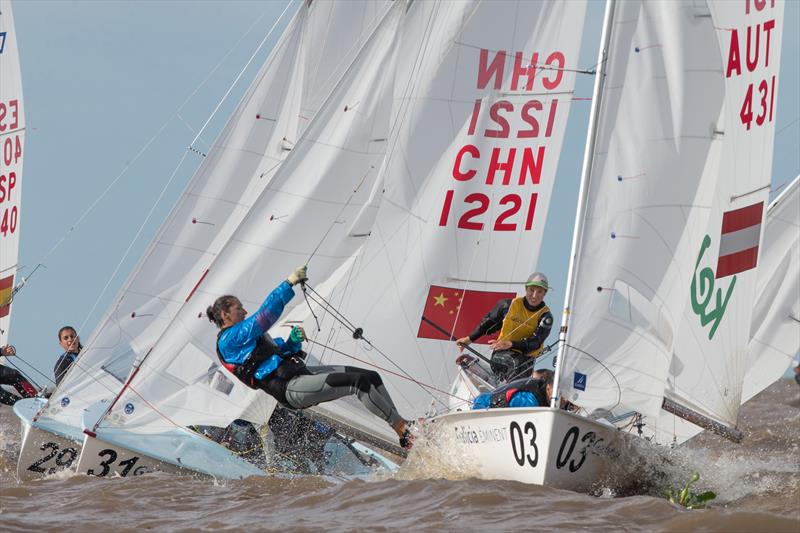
(757, 482)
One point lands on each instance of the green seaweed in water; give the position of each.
(689, 499)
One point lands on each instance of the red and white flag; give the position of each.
(456, 311)
(738, 245)
(6, 289)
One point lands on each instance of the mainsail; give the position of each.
(307, 62)
(775, 326)
(466, 186)
(711, 343)
(12, 144)
(653, 171)
(304, 210)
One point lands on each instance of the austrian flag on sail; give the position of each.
(738, 246)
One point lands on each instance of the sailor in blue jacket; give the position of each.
(276, 367)
(534, 391)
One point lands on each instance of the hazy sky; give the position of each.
(100, 79)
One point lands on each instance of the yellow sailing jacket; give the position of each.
(520, 323)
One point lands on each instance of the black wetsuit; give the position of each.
(9, 376)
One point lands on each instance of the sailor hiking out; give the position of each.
(276, 365)
(524, 324)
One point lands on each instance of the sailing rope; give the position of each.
(86, 211)
(225, 97)
(407, 377)
(358, 333)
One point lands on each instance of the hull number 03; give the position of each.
(523, 443)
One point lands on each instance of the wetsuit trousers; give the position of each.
(326, 383)
(9, 376)
(508, 365)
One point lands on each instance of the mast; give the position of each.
(588, 158)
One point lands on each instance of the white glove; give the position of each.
(300, 274)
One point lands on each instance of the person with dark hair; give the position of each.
(273, 365)
(12, 377)
(534, 391)
(524, 324)
(71, 343)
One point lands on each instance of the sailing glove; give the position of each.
(297, 334)
(298, 275)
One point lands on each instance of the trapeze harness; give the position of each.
(273, 384)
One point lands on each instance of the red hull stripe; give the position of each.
(6, 283)
(738, 262)
(742, 218)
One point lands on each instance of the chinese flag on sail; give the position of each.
(444, 305)
(738, 245)
(6, 287)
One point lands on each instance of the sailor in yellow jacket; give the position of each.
(524, 326)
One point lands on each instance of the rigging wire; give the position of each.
(144, 148)
(358, 333)
(85, 212)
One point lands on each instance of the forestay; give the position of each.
(655, 165)
(311, 202)
(467, 182)
(306, 63)
(12, 144)
(711, 345)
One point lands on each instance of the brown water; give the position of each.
(757, 482)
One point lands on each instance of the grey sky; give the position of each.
(101, 78)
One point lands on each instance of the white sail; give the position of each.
(306, 208)
(467, 182)
(12, 145)
(711, 343)
(775, 327)
(309, 59)
(650, 185)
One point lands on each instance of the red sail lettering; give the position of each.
(734, 57)
(558, 59)
(487, 71)
(504, 167)
(457, 173)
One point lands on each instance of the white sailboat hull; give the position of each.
(101, 459)
(113, 451)
(43, 451)
(540, 446)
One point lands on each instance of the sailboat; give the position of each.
(663, 270)
(12, 145)
(677, 147)
(304, 67)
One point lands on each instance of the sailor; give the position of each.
(276, 367)
(9, 376)
(534, 391)
(71, 343)
(524, 325)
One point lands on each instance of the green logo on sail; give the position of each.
(700, 299)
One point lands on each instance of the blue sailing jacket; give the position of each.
(237, 342)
